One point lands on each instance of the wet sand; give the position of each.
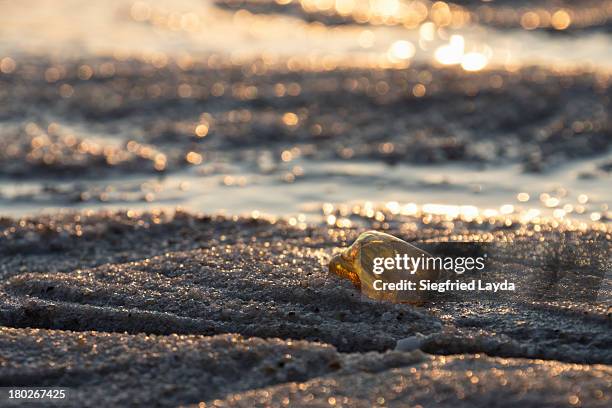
(307, 336)
(215, 109)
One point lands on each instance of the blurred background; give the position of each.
(314, 110)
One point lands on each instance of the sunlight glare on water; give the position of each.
(124, 28)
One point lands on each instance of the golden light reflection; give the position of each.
(530, 215)
(419, 90)
(66, 91)
(451, 53)
(427, 31)
(386, 8)
(7, 65)
(561, 20)
(388, 12)
(454, 53)
(85, 72)
(290, 119)
(533, 219)
(345, 7)
(410, 14)
(474, 61)
(286, 156)
(53, 74)
(201, 130)
(575, 15)
(401, 51)
(441, 14)
(193, 158)
(530, 20)
(366, 39)
(551, 202)
(160, 162)
(522, 197)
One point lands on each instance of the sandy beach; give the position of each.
(181, 310)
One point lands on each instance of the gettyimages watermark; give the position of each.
(410, 265)
(387, 268)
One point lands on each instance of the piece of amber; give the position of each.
(357, 263)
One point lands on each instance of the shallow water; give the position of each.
(199, 27)
(236, 189)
